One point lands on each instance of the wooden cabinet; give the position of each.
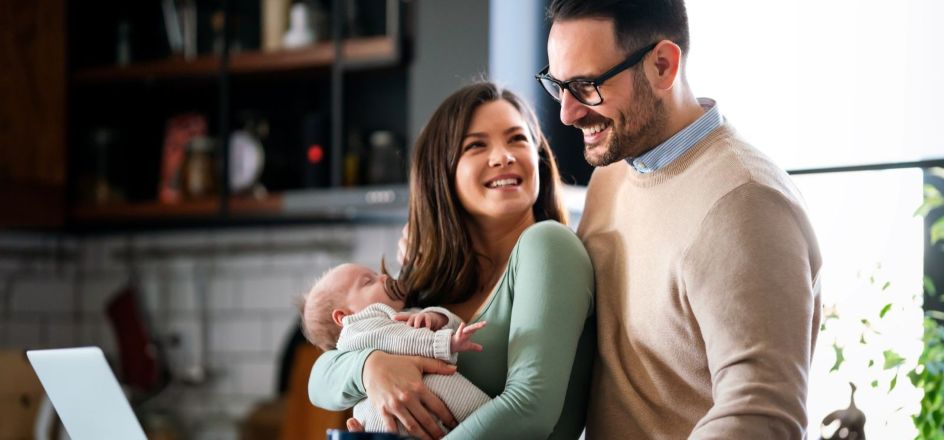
(32, 112)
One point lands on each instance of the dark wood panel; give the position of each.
(32, 91)
(31, 206)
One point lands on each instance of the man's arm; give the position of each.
(751, 282)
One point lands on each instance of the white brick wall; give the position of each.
(248, 297)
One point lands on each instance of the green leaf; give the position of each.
(892, 360)
(929, 286)
(862, 338)
(937, 231)
(885, 310)
(886, 285)
(891, 386)
(932, 199)
(874, 384)
(840, 358)
(871, 362)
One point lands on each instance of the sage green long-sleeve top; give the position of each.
(539, 345)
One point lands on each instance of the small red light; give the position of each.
(315, 153)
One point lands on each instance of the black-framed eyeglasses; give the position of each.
(587, 91)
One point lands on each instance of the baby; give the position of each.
(352, 308)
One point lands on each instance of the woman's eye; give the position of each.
(473, 145)
(519, 138)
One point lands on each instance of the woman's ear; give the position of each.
(337, 315)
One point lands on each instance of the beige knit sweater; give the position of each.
(708, 297)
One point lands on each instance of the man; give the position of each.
(707, 269)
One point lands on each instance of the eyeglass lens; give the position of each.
(585, 92)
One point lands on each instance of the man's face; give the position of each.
(631, 119)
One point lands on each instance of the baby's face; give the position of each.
(364, 287)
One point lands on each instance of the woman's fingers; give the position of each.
(354, 425)
(389, 422)
(436, 406)
(423, 421)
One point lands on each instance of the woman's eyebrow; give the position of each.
(476, 134)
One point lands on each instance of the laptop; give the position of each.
(86, 394)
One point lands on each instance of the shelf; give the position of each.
(340, 203)
(188, 209)
(370, 51)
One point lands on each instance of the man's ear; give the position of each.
(337, 315)
(667, 63)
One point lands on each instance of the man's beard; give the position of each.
(649, 116)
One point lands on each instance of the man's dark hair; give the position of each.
(637, 22)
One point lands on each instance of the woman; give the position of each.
(485, 227)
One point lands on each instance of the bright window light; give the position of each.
(816, 83)
(872, 247)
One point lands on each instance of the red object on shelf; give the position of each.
(180, 130)
(315, 153)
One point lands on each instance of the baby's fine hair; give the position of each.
(316, 307)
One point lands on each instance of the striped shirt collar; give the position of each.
(680, 142)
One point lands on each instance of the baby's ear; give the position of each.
(337, 315)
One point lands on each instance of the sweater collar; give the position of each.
(675, 146)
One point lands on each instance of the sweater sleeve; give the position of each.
(750, 278)
(374, 328)
(553, 298)
(335, 383)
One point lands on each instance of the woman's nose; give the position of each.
(500, 156)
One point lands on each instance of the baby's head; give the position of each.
(343, 290)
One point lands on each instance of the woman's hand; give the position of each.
(395, 387)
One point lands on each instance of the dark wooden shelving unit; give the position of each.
(367, 51)
(328, 61)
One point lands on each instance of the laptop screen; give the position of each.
(85, 393)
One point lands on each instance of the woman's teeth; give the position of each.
(502, 183)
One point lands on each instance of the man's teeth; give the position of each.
(593, 129)
(502, 182)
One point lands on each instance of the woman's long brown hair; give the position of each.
(442, 267)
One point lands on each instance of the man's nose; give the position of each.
(571, 110)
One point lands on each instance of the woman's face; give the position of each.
(497, 177)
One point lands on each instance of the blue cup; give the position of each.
(335, 434)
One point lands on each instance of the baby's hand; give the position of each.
(461, 340)
(431, 320)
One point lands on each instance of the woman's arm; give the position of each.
(553, 298)
(393, 383)
(335, 383)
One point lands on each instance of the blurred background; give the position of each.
(174, 173)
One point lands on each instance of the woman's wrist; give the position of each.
(368, 366)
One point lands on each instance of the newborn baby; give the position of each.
(351, 307)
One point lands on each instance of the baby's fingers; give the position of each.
(401, 317)
(469, 329)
